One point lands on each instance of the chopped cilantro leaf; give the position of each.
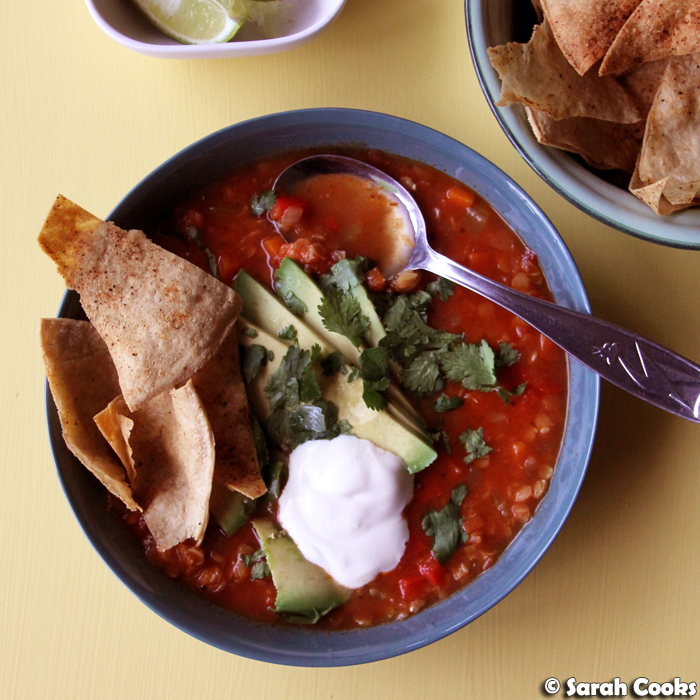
(260, 203)
(471, 365)
(474, 444)
(447, 403)
(345, 274)
(507, 355)
(354, 374)
(288, 333)
(373, 394)
(194, 234)
(250, 332)
(375, 368)
(334, 363)
(294, 303)
(293, 381)
(254, 357)
(420, 301)
(508, 395)
(287, 295)
(422, 376)
(341, 313)
(344, 427)
(298, 411)
(408, 334)
(260, 569)
(291, 427)
(446, 526)
(258, 565)
(374, 363)
(250, 559)
(445, 288)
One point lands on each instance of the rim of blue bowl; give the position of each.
(304, 646)
(605, 202)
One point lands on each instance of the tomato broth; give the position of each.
(524, 432)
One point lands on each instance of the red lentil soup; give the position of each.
(504, 486)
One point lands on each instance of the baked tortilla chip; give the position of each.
(585, 29)
(653, 195)
(162, 317)
(603, 145)
(220, 386)
(538, 75)
(643, 83)
(116, 429)
(83, 380)
(171, 451)
(671, 149)
(655, 30)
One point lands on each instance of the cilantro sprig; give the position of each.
(261, 203)
(374, 370)
(429, 356)
(474, 444)
(255, 357)
(298, 412)
(445, 526)
(341, 313)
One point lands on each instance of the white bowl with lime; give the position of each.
(212, 28)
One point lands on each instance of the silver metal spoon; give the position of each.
(640, 366)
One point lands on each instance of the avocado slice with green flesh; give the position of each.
(264, 309)
(291, 278)
(379, 427)
(373, 336)
(267, 311)
(230, 509)
(303, 589)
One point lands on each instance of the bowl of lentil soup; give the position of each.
(515, 503)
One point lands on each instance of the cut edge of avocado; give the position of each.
(230, 509)
(305, 592)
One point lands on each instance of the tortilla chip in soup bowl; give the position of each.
(205, 161)
(598, 192)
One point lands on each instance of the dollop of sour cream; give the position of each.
(342, 507)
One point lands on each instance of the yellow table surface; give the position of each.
(617, 593)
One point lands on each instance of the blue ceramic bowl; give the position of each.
(209, 159)
(495, 22)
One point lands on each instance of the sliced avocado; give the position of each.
(291, 278)
(376, 330)
(262, 308)
(230, 509)
(373, 336)
(380, 427)
(251, 334)
(303, 589)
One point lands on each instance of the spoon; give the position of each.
(627, 360)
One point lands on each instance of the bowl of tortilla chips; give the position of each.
(602, 100)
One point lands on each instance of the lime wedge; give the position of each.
(191, 21)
